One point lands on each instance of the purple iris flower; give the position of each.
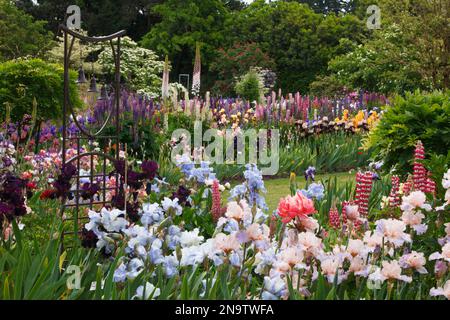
(310, 173)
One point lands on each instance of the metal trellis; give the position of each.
(84, 135)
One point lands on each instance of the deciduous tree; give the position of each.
(20, 34)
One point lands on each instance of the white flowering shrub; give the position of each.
(139, 67)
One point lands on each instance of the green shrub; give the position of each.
(418, 116)
(236, 60)
(141, 138)
(178, 120)
(22, 80)
(250, 86)
(21, 35)
(438, 164)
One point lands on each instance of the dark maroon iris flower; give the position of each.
(149, 169)
(12, 184)
(119, 165)
(88, 239)
(69, 171)
(12, 197)
(182, 194)
(118, 200)
(62, 186)
(20, 211)
(6, 209)
(134, 179)
(89, 190)
(133, 211)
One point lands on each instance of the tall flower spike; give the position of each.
(407, 186)
(334, 218)
(217, 211)
(344, 214)
(363, 190)
(394, 196)
(430, 185)
(359, 186)
(357, 224)
(197, 72)
(420, 173)
(165, 80)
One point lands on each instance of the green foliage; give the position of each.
(235, 61)
(387, 64)
(300, 41)
(103, 17)
(330, 6)
(327, 86)
(426, 28)
(45, 214)
(418, 116)
(320, 46)
(411, 50)
(250, 86)
(100, 17)
(23, 80)
(38, 270)
(329, 152)
(42, 272)
(147, 138)
(198, 216)
(438, 164)
(141, 138)
(53, 11)
(20, 34)
(179, 120)
(183, 24)
(234, 4)
(81, 54)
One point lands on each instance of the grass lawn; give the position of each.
(279, 188)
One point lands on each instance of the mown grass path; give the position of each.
(279, 187)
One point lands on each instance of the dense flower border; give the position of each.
(293, 258)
